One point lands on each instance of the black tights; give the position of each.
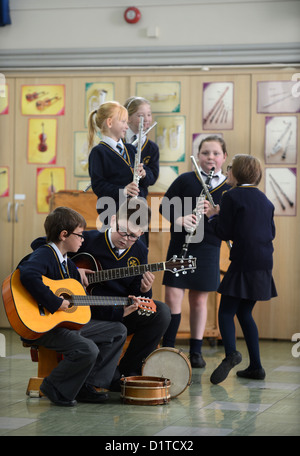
(242, 308)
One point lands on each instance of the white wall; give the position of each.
(79, 25)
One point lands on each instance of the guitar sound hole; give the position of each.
(66, 294)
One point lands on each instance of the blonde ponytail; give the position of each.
(91, 129)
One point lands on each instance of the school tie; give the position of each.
(64, 269)
(116, 251)
(215, 176)
(121, 151)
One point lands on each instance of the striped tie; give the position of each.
(64, 269)
(121, 151)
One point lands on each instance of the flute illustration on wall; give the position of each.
(281, 189)
(277, 97)
(281, 139)
(217, 113)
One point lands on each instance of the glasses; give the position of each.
(229, 167)
(131, 237)
(79, 235)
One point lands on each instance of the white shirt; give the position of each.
(112, 244)
(130, 137)
(112, 143)
(217, 179)
(61, 257)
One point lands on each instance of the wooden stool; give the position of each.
(47, 360)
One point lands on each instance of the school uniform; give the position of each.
(110, 171)
(90, 355)
(185, 191)
(246, 218)
(147, 330)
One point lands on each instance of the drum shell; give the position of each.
(145, 390)
(170, 363)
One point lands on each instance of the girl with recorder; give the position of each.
(212, 154)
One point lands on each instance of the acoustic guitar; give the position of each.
(31, 320)
(87, 261)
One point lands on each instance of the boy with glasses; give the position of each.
(90, 354)
(120, 247)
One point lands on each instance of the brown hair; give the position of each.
(132, 104)
(62, 218)
(214, 138)
(104, 112)
(246, 169)
(136, 211)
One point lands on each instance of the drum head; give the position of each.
(172, 364)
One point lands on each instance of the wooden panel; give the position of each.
(82, 202)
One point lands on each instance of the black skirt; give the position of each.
(254, 285)
(206, 277)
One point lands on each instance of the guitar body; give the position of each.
(86, 261)
(25, 316)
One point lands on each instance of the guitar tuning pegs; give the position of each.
(177, 274)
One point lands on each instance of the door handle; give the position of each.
(16, 212)
(8, 212)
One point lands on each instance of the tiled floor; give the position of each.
(236, 407)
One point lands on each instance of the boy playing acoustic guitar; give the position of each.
(82, 370)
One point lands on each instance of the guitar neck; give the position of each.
(119, 273)
(82, 300)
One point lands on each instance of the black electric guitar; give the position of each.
(86, 261)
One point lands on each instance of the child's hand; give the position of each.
(131, 189)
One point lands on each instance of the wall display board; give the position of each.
(164, 96)
(281, 139)
(217, 111)
(42, 140)
(37, 100)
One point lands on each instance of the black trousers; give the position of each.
(90, 355)
(147, 332)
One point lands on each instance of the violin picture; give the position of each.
(43, 104)
(51, 190)
(42, 147)
(34, 95)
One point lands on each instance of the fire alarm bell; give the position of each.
(132, 15)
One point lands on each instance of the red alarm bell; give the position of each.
(132, 15)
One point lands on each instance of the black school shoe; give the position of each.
(54, 396)
(222, 371)
(254, 374)
(89, 394)
(197, 360)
